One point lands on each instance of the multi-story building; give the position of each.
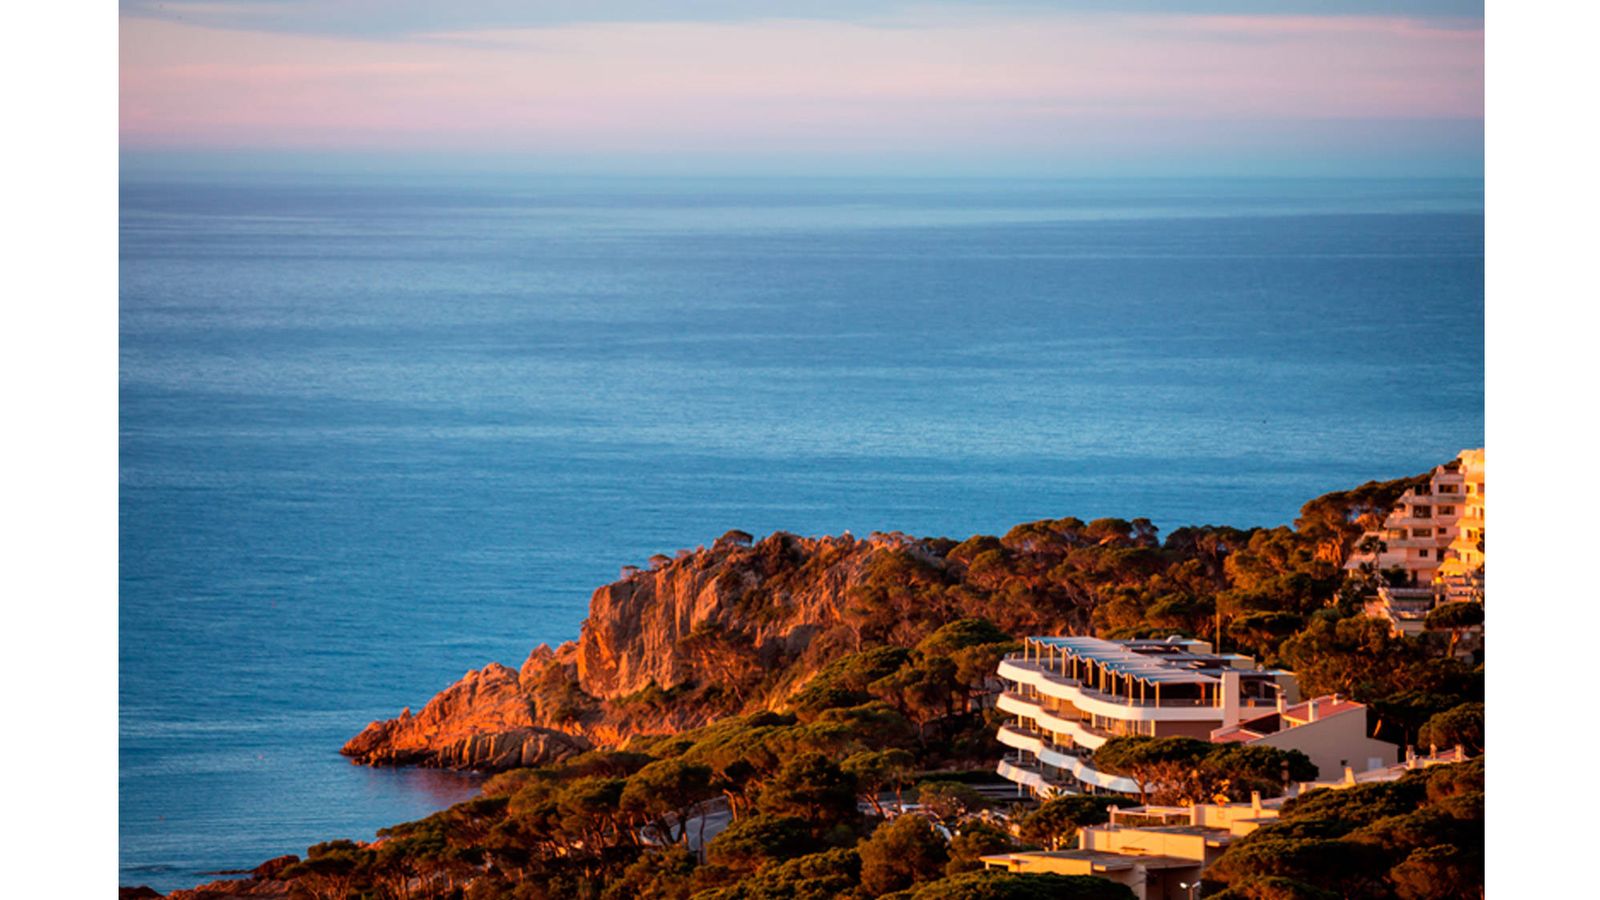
(1431, 524)
(1162, 852)
(1158, 852)
(1331, 731)
(1069, 695)
(1460, 577)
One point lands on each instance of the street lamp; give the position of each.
(1193, 889)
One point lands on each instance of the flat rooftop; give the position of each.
(1166, 661)
(1197, 830)
(1102, 860)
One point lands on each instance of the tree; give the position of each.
(960, 634)
(1262, 632)
(1236, 770)
(1022, 886)
(1272, 887)
(331, 869)
(974, 841)
(1457, 618)
(1438, 873)
(949, 800)
(1347, 867)
(844, 681)
(733, 538)
(1358, 656)
(1165, 768)
(665, 793)
(812, 787)
(1461, 725)
(1054, 825)
(751, 842)
(591, 807)
(828, 875)
(922, 691)
(1353, 807)
(1399, 835)
(876, 771)
(901, 852)
(875, 725)
(1420, 836)
(728, 658)
(656, 875)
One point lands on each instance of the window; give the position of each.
(1422, 532)
(1469, 489)
(1423, 553)
(1447, 489)
(1422, 512)
(1447, 510)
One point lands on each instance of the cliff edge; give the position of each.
(706, 630)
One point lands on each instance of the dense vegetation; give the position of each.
(817, 752)
(1419, 838)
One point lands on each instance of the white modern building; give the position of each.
(1067, 696)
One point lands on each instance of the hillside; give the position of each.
(742, 625)
(789, 690)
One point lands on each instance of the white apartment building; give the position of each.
(1069, 695)
(1432, 525)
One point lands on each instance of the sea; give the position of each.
(377, 430)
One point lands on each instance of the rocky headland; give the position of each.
(742, 625)
(666, 647)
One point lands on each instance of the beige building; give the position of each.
(1149, 877)
(1067, 696)
(1158, 852)
(1431, 525)
(1331, 731)
(1162, 852)
(1460, 577)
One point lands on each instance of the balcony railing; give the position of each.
(1055, 677)
(1044, 741)
(1073, 719)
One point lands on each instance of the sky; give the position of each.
(1098, 87)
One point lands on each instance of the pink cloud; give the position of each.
(827, 85)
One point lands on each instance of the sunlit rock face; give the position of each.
(483, 721)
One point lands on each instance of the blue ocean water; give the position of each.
(376, 432)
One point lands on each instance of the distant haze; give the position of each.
(1174, 88)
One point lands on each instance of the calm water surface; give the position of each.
(375, 433)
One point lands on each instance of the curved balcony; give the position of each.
(1051, 684)
(1019, 705)
(1087, 773)
(1022, 739)
(1060, 758)
(1029, 778)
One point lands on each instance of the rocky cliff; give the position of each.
(703, 631)
(707, 614)
(485, 720)
(742, 625)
